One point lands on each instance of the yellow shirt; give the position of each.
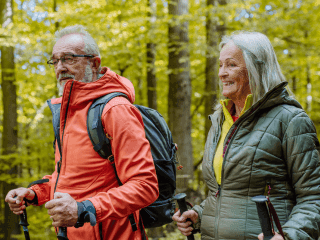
(228, 122)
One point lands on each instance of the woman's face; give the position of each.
(233, 73)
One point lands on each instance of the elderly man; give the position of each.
(82, 179)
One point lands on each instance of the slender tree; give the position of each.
(10, 133)
(56, 28)
(179, 97)
(214, 32)
(151, 58)
(211, 86)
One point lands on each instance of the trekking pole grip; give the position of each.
(263, 213)
(181, 199)
(62, 235)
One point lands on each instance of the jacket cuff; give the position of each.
(198, 210)
(42, 195)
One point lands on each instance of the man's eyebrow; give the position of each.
(67, 53)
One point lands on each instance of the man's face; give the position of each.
(82, 68)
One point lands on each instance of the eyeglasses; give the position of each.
(68, 59)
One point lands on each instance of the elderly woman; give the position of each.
(261, 143)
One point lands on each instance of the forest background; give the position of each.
(168, 49)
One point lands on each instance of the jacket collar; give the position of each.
(276, 96)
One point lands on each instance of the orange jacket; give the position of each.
(87, 176)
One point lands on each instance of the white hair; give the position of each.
(261, 61)
(90, 45)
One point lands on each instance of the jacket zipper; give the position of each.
(59, 163)
(268, 188)
(218, 192)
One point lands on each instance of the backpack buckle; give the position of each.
(111, 159)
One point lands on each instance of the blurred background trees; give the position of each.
(168, 49)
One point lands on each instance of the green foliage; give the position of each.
(122, 29)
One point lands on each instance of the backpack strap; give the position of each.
(55, 109)
(101, 144)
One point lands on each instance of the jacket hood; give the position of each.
(108, 82)
(276, 96)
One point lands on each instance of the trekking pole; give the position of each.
(263, 213)
(183, 208)
(62, 235)
(24, 223)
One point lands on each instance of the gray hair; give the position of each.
(90, 45)
(261, 61)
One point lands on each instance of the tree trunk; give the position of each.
(56, 28)
(10, 127)
(151, 76)
(214, 34)
(211, 86)
(179, 97)
(294, 84)
(151, 58)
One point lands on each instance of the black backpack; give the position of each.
(163, 151)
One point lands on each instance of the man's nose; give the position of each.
(60, 67)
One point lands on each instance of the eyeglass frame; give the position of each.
(62, 59)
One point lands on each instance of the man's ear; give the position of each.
(96, 63)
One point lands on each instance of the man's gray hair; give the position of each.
(90, 45)
(261, 61)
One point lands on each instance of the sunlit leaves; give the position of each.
(122, 29)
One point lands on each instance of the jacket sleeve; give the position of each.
(134, 164)
(42, 190)
(301, 150)
(199, 209)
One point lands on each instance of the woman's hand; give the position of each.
(277, 236)
(184, 226)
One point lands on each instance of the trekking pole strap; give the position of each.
(275, 217)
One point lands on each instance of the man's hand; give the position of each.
(63, 210)
(15, 199)
(277, 236)
(184, 226)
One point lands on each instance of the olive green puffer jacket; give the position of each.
(273, 143)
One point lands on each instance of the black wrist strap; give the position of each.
(86, 213)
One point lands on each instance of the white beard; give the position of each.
(87, 74)
(86, 79)
(61, 85)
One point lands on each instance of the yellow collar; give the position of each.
(227, 105)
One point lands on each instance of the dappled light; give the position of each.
(171, 55)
